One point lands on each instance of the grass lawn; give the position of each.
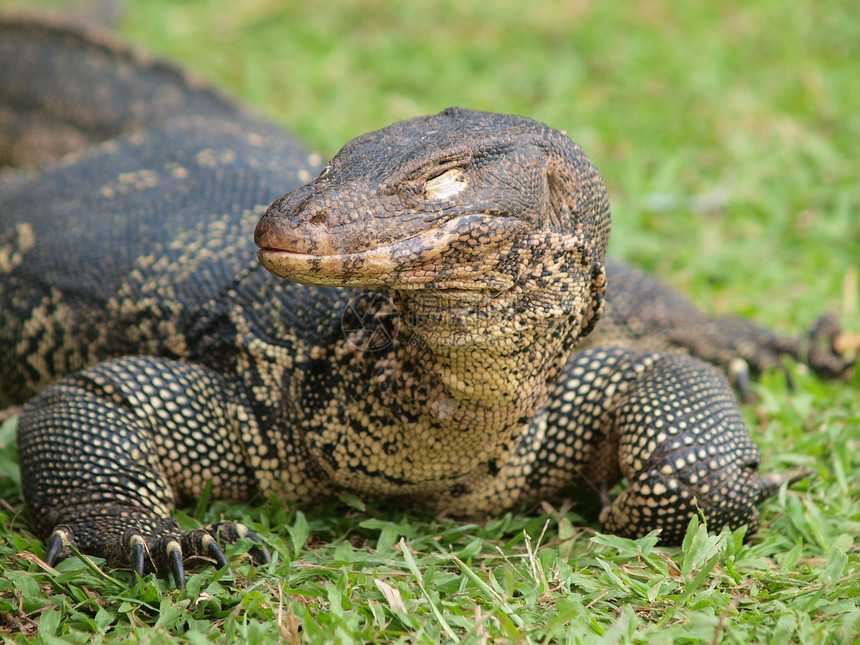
(728, 137)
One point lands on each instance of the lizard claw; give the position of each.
(771, 482)
(174, 561)
(138, 554)
(151, 544)
(231, 531)
(739, 376)
(58, 539)
(217, 554)
(259, 553)
(832, 352)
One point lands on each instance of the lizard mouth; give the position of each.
(409, 263)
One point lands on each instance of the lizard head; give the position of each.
(458, 212)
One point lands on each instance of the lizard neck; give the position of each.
(472, 372)
(480, 352)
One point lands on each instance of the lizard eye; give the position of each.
(446, 184)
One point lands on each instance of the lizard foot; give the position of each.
(832, 351)
(743, 349)
(159, 545)
(725, 497)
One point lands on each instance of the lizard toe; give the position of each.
(204, 542)
(137, 557)
(231, 532)
(832, 351)
(217, 554)
(57, 544)
(170, 551)
(739, 376)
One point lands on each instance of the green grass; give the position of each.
(727, 134)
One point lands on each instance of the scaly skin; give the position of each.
(439, 273)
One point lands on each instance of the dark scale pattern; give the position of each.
(438, 274)
(164, 283)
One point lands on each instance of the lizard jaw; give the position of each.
(411, 263)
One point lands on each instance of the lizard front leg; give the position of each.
(107, 452)
(667, 423)
(684, 448)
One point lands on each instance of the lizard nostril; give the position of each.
(317, 218)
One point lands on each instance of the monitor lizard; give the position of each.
(415, 341)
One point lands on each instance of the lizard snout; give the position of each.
(295, 223)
